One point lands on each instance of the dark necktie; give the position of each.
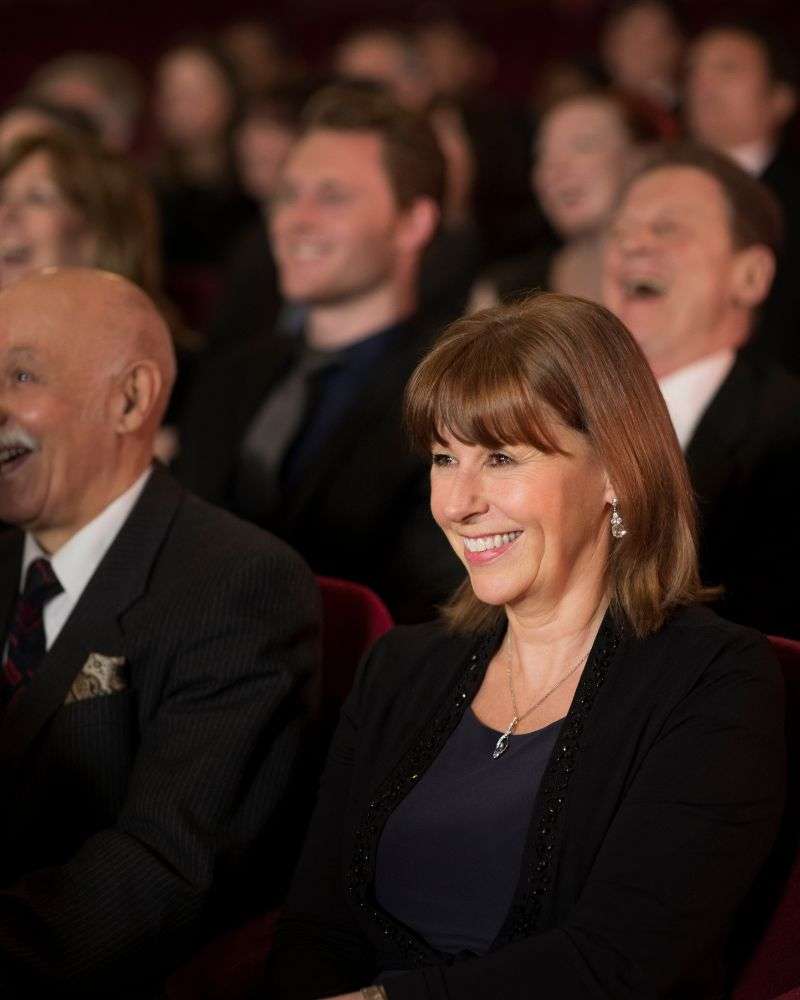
(273, 430)
(26, 640)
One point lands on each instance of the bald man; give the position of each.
(156, 660)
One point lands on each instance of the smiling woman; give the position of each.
(65, 201)
(513, 802)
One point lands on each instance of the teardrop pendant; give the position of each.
(504, 739)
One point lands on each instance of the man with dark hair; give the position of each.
(690, 258)
(741, 90)
(304, 434)
(157, 658)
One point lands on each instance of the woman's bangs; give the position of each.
(491, 408)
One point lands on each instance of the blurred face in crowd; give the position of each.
(193, 99)
(731, 99)
(672, 273)
(379, 57)
(21, 123)
(641, 47)
(581, 157)
(39, 227)
(337, 231)
(527, 525)
(262, 147)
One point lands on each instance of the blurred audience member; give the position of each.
(259, 55)
(484, 144)
(30, 116)
(586, 147)
(305, 433)
(67, 201)
(741, 90)
(105, 88)
(459, 64)
(691, 255)
(250, 300)
(641, 47)
(390, 56)
(203, 207)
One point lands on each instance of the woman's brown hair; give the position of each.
(111, 195)
(507, 375)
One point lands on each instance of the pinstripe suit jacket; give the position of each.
(133, 820)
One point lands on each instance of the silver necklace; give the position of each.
(505, 738)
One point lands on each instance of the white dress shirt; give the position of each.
(754, 158)
(75, 562)
(689, 391)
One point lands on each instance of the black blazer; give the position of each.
(133, 821)
(744, 462)
(660, 802)
(777, 332)
(361, 511)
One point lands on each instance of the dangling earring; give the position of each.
(618, 528)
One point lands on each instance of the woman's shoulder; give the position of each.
(695, 646)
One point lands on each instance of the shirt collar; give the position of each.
(754, 157)
(688, 391)
(75, 562)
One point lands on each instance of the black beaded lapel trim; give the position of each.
(537, 880)
(360, 878)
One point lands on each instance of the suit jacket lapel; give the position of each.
(718, 435)
(11, 545)
(93, 625)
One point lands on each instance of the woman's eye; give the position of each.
(441, 460)
(23, 376)
(499, 458)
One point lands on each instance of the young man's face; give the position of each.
(334, 219)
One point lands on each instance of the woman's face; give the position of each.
(529, 526)
(581, 157)
(193, 100)
(38, 226)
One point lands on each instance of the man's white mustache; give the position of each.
(17, 437)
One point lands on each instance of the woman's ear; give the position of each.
(138, 391)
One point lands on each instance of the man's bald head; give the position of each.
(103, 319)
(86, 369)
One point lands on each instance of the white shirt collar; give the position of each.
(688, 391)
(75, 562)
(754, 158)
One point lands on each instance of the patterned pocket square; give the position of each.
(100, 675)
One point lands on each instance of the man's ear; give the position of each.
(138, 391)
(753, 271)
(782, 103)
(418, 225)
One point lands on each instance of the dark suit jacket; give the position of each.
(131, 820)
(777, 333)
(744, 461)
(361, 511)
(660, 801)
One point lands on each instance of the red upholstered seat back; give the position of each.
(771, 925)
(353, 617)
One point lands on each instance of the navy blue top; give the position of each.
(449, 857)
